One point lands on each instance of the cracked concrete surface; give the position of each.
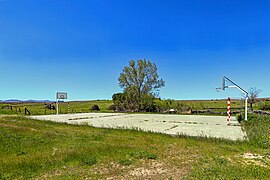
(192, 125)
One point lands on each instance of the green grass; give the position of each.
(49, 150)
(39, 108)
(258, 130)
(84, 106)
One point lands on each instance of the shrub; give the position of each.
(50, 107)
(240, 117)
(95, 108)
(112, 107)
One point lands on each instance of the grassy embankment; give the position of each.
(39, 149)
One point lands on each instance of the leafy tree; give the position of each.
(140, 80)
(119, 100)
(253, 94)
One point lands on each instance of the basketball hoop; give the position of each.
(218, 89)
(62, 96)
(233, 85)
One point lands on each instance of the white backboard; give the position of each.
(61, 95)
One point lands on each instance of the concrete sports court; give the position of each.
(193, 125)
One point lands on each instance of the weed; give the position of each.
(89, 161)
(125, 162)
(143, 155)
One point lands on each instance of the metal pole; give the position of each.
(246, 109)
(57, 107)
(229, 111)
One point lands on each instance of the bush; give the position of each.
(112, 107)
(95, 108)
(240, 117)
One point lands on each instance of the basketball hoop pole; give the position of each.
(59, 95)
(246, 98)
(246, 109)
(239, 88)
(57, 102)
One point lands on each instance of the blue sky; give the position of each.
(80, 47)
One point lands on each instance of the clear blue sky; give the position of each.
(81, 46)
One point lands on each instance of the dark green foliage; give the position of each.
(240, 117)
(119, 100)
(95, 108)
(112, 107)
(89, 161)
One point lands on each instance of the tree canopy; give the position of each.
(140, 82)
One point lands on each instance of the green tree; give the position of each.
(118, 100)
(140, 81)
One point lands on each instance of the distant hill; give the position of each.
(38, 101)
(12, 100)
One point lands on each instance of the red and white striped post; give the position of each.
(229, 111)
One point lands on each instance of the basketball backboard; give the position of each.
(223, 84)
(61, 95)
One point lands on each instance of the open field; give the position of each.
(208, 126)
(48, 150)
(84, 106)
(39, 108)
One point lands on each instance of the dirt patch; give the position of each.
(252, 156)
(151, 170)
(146, 170)
(255, 159)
